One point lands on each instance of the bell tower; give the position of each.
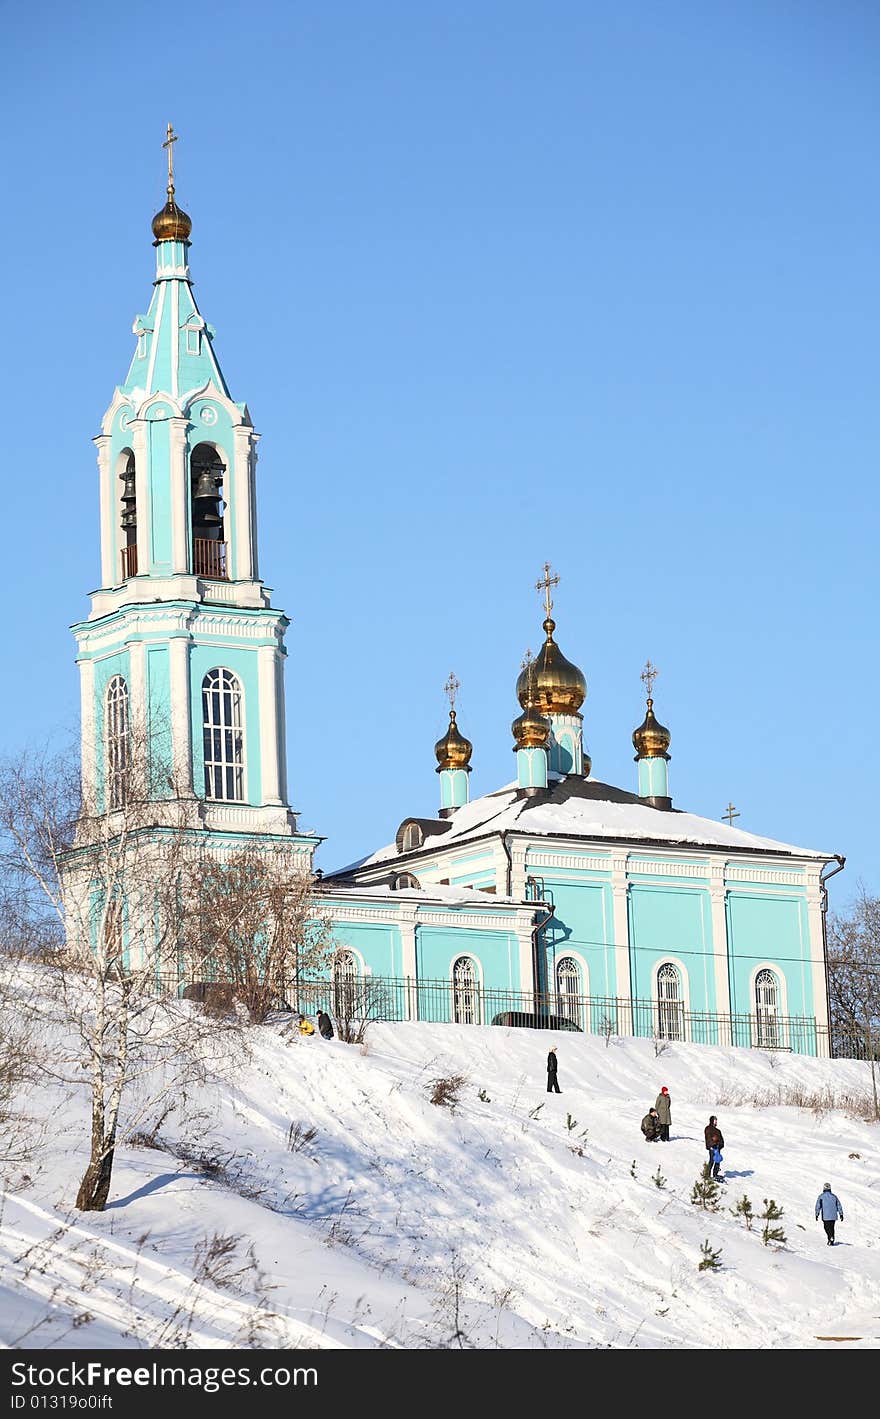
(182, 646)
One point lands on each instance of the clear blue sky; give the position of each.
(500, 282)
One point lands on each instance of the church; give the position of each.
(556, 900)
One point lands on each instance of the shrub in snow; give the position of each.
(744, 1209)
(711, 1259)
(484, 1097)
(657, 1178)
(706, 1192)
(446, 1091)
(771, 1214)
(299, 1137)
(632, 1170)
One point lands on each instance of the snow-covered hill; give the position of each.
(520, 1219)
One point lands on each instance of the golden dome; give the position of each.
(553, 683)
(453, 750)
(651, 740)
(530, 730)
(171, 224)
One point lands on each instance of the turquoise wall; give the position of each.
(497, 951)
(672, 922)
(582, 923)
(159, 718)
(243, 663)
(159, 464)
(379, 944)
(772, 929)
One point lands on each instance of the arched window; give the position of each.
(207, 472)
(670, 1006)
(116, 742)
(568, 989)
(223, 736)
(465, 996)
(128, 513)
(345, 985)
(404, 881)
(413, 837)
(766, 1010)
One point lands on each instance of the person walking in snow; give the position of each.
(664, 1113)
(714, 1143)
(651, 1126)
(828, 1206)
(552, 1081)
(325, 1026)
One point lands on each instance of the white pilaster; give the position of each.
(111, 567)
(179, 494)
(88, 728)
(720, 947)
(142, 493)
(281, 735)
(241, 551)
(620, 927)
(817, 960)
(270, 759)
(137, 688)
(526, 966)
(181, 715)
(409, 963)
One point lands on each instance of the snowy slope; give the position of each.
(365, 1235)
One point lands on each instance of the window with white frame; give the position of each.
(116, 742)
(465, 995)
(193, 340)
(766, 1010)
(568, 989)
(670, 1006)
(413, 837)
(345, 985)
(405, 880)
(142, 345)
(223, 736)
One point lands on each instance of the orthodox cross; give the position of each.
(730, 813)
(528, 665)
(649, 675)
(451, 689)
(170, 139)
(545, 585)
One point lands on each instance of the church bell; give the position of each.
(205, 496)
(129, 497)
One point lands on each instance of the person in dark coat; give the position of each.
(831, 1211)
(664, 1113)
(552, 1081)
(714, 1143)
(651, 1126)
(325, 1026)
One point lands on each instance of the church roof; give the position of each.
(575, 807)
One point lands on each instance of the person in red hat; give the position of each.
(664, 1113)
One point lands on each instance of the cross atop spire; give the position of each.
(649, 675)
(170, 139)
(546, 584)
(451, 689)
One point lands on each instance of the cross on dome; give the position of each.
(546, 583)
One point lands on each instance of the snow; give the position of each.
(578, 816)
(360, 1233)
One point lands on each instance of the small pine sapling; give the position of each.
(657, 1179)
(533, 1113)
(484, 1097)
(772, 1213)
(570, 1123)
(632, 1171)
(744, 1210)
(711, 1259)
(705, 1191)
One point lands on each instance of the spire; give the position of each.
(171, 224)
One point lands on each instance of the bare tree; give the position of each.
(854, 982)
(257, 928)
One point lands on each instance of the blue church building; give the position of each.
(556, 898)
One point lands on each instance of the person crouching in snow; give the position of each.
(714, 1143)
(651, 1126)
(664, 1113)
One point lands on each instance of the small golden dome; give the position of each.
(171, 224)
(453, 751)
(530, 730)
(553, 683)
(651, 740)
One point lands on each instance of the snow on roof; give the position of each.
(575, 807)
(454, 896)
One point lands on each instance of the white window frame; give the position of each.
(782, 1036)
(117, 742)
(572, 1009)
(346, 980)
(229, 768)
(465, 996)
(193, 339)
(412, 831)
(670, 1009)
(142, 345)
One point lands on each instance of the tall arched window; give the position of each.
(345, 985)
(766, 1010)
(223, 736)
(568, 989)
(670, 1006)
(116, 742)
(207, 472)
(465, 996)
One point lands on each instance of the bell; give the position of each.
(206, 487)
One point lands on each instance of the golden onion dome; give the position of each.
(553, 683)
(530, 730)
(172, 223)
(651, 740)
(453, 751)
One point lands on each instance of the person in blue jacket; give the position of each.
(828, 1206)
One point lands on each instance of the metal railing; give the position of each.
(129, 561)
(209, 558)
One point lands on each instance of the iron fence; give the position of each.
(447, 1002)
